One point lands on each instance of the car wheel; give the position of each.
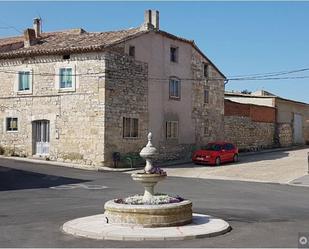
(218, 161)
(235, 158)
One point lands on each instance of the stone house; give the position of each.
(78, 96)
(292, 126)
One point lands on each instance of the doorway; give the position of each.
(41, 136)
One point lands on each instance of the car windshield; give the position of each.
(214, 147)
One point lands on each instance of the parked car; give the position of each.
(216, 153)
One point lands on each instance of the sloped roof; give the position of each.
(78, 40)
(243, 95)
(75, 40)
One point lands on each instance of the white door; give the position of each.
(298, 129)
(41, 129)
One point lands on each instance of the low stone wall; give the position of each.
(170, 151)
(247, 134)
(285, 134)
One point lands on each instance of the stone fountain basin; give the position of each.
(147, 178)
(162, 215)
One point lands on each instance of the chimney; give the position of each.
(29, 38)
(151, 20)
(37, 26)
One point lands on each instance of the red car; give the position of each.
(216, 153)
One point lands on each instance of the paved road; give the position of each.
(34, 204)
(276, 167)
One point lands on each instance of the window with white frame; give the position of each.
(65, 78)
(171, 129)
(130, 127)
(174, 88)
(24, 81)
(11, 124)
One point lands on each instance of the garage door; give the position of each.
(298, 129)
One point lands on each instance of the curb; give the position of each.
(273, 150)
(53, 163)
(94, 227)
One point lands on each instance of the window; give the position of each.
(132, 51)
(228, 146)
(66, 78)
(174, 91)
(172, 129)
(11, 124)
(23, 81)
(66, 57)
(174, 54)
(206, 96)
(206, 128)
(206, 70)
(130, 127)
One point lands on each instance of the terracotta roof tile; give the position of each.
(76, 40)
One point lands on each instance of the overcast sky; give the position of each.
(239, 37)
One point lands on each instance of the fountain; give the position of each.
(150, 213)
(148, 216)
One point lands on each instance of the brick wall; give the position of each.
(255, 112)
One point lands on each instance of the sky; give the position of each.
(240, 38)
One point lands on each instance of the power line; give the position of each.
(275, 78)
(262, 75)
(270, 74)
(108, 74)
(10, 27)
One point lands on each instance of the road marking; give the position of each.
(82, 186)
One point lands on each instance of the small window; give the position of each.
(172, 129)
(206, 70)
(206, 128)
(130, 127)
(66, 77)
(11, 124)
(174, 91)
(66, 57)
(132, 51)
(24, 81)
(174, 54)
(206, 96)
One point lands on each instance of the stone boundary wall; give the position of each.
(247, 134)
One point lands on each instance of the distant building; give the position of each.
(292, 117)
(79, 96)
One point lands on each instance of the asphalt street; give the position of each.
(35, 200)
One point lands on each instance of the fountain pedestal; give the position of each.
(148, 181)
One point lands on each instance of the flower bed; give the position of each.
(158, 199)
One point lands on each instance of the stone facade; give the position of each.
(284, 134)
(86, 122)
(247, 134)
(76, 117)
(208, 117)
(126, 95)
